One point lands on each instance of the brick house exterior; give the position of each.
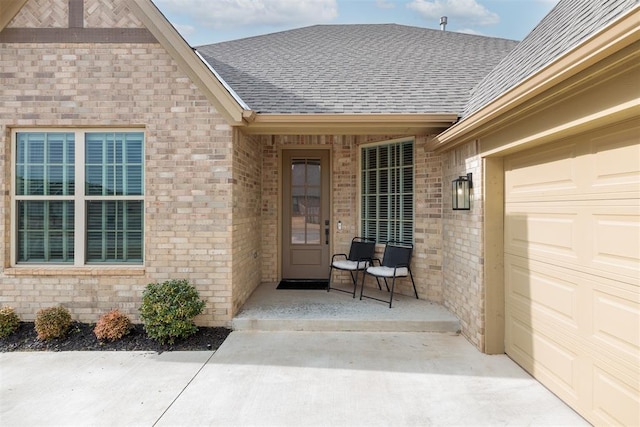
(124, 85)
(549, 132)
(212, 165)
(211, 192)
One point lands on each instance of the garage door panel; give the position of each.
(555, 232)
(569, 368)
(615, 162)
(540, 354)
(541, 293)
(600, 384)
(542, 232)
(604, 166)
(576, 304)
(613, 247)
(614, 399)
(616, 323)
(550, 170)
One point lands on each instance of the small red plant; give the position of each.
(112, 326)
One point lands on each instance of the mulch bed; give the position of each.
(82, 338)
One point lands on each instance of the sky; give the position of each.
(212, 21)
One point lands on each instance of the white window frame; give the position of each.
(359, 181)
(79, 197)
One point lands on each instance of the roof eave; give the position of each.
(197, 70)
(612, 38)
(349, 124)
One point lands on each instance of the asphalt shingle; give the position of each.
(564, 28)
(356, 69)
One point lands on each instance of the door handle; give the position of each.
(326, 231)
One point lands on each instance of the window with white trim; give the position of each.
(79, 197)
(386, 191)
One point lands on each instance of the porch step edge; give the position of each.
(344, 325)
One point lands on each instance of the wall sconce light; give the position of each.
(461, 193)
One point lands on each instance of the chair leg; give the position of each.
(330, 275)
(393, 285)
(414, 285)
(364, 276)
(354, 279)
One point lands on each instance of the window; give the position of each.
(387, 191)
(79, 197)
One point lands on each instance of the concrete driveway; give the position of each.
(281, 379)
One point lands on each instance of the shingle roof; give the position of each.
(353, 69)
(568, 24)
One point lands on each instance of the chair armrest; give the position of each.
(395, 268)
(338, 255)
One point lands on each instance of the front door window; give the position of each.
(305, 201)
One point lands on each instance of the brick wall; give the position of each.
(269, 209)
(463, 287)
(427, 264)
(55, 14)
(42, 13)
(189, 183)
(247, 224)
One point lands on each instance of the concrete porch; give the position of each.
(271, 309)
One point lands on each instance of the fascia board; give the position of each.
(8, 10)
(602, 44)
(360, 124)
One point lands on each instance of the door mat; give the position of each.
(313, 284)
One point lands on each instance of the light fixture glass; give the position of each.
(461, 193)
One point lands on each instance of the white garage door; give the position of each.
(572, 270)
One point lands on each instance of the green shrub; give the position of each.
(9, 321)
(168, 310)
(52, 322)
(112, 326)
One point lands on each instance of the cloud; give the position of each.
(246, 13)
(470, 31)
(462, 12)
(384, 4)
(184, 29)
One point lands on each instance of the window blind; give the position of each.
(48, 199)
(387, 192)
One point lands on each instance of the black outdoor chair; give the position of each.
(395, 263)
(360, 257)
